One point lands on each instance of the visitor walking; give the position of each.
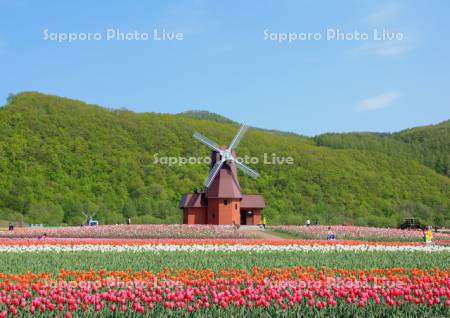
(10, 227)
(263, 222)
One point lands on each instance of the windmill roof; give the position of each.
(199, 200)
(225, 184)
(193, 200)
(252, 201)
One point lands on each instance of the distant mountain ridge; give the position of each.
(60, 156)
(204, 114)
(429, 145)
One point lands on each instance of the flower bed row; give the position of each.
(266, 246)
(357, 233)
(131, 231)
(280, 292)
(125, 241)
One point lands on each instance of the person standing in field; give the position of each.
(330, 235)
(263, 222)
(428, 235)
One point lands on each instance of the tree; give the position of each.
(10, 98)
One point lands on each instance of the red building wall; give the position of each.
(194, 216)
(254, 218)
(223, 211)
(220, 213)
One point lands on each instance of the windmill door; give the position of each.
(243, 218)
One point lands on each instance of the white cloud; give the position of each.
(382, 16)
(377, 102)
(385, 48)
(189, 19)
(386, 18)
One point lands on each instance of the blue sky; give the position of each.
(225, 65)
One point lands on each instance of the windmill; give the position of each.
(227, 156)
(90, 218)
(222, 202)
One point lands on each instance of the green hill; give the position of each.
(203, 114)
(429, 145)
(60, 156)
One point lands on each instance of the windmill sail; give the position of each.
(211, 144)
(246, 169)
(238, 137)
(214, 171)
(227, 155)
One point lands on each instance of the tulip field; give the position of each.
(229, 292)
(131, 231)
(347, 232)
(231, 275)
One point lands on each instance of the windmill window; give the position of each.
(225, 202)
(235, 206)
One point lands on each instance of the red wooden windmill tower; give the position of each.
(223, 202)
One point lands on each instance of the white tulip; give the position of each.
(221, 248)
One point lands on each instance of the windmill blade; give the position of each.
(252, 173)
(214, 171)
(238, 137)
(211, 144)
(82, 212)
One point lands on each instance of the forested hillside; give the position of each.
(203, 114)
(60, 156)
(429, 145)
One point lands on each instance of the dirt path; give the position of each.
(265, 235)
